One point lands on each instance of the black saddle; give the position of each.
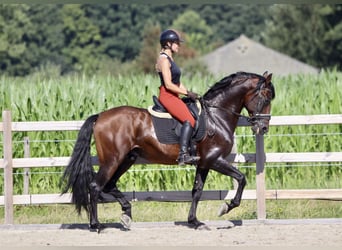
(168, 128)
(158, 107)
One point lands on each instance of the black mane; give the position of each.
(229, 81)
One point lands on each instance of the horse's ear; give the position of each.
(265, 74)
(268, 78)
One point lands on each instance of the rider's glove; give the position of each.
(192, 95)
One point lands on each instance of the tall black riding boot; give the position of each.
(184, 157)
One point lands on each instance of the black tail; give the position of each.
(79, 173)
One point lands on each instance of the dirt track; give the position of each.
(312, 233)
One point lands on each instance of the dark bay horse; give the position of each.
(125, 136)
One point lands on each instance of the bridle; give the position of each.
(262, 101)
(256, 116)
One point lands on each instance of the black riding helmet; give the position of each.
(169, 36)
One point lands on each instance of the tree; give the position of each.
(121, 28)
(15, 27)
(310, 33)
(333, 35)
(150, 48)
(90, 36)
(198, 33)
(81, 39)
(47, 41)
(229, 21)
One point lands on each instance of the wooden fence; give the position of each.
(7, 126)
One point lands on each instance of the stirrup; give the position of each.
(185, 158)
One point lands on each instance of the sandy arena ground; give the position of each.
(222, 233)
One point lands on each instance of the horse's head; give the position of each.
(258, 103)
(242, 90)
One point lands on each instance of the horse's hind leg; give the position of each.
(94, 194)
(126, 217)
(112, 189)
(100, 180)
(95, 189)
(201, 176)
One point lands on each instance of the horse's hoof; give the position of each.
(198, 225)
(126, 221)
(223, 210)
(203, 227)
(96, 228)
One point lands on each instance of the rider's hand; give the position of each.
(192, 95)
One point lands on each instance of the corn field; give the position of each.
(75, 97)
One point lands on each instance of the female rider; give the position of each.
(170, 89)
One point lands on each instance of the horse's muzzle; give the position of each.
(260, 123)
(260, 129)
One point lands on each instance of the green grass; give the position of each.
(176, 211)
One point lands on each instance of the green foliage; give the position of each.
(15, 25)
(229, 21)
(82, 39)
(198, 33)
(92, 37)
(120, 27)
(46, 39)
(150, 48)
(309, 33)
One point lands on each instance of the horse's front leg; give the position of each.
(201, 176)
(224, 167)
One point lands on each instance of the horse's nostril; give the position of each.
(264, 129)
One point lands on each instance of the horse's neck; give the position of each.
(224, 115)
(231, 103)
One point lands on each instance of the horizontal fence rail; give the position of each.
(236, 158)
(7, 126)
(275, 121)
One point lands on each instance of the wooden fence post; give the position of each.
(234, 151)
(260, 177)
(8, 166)
(26, 170)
